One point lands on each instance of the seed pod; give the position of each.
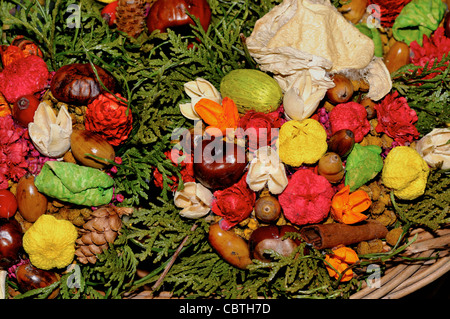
(84, 142)
(31, 203)
(267, 209)
(330, 166)
(342, 142)
(229, 246)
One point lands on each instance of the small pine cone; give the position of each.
(130, 16)
(101, 229)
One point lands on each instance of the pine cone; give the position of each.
(101, 229)
(130, 16)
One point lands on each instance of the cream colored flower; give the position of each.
(266, 168)
(302, 99)
(435, 147)
(49, 133)
(195, 199)
(196, 90)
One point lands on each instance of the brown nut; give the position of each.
(30, 202)
(369, 105)
(85, 142)
(229, 246)
(30, 277)
(342, 91)
(271, 238)
(354, 10)
(397, 56)
(342, 142)
(267, 209)
(330, 166)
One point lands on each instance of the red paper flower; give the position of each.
(234, 203)
(307, 198)
(257, 127)
(186, 171)
(432, 49)
(352, 116)
(110, 118)
(396, 119)
(24, 76)
(388, 10)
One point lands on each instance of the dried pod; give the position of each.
(84, 142)
(330, 166)
(30, 277)
(342, 91)
(229, 246)
(353, 10)
(77, 83)
(342, 142)
(369, 105)
(271, 238)
(267, 209)
(31, 203)
(397, 56)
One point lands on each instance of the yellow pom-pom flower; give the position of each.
(302, 142)
(406, 172)
(50, 243)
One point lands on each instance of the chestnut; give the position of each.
(330, 166)
(342, 91)
(164, 14)
(218, 164)
(10, 242)
(342, 142)
(30, 277)
(271, 237)
(267, 208)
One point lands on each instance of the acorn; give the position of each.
(31, 203)
(342, 91)
(397, 56)
(267, 208)
(84, 142)
(342, 142)
(330, 166)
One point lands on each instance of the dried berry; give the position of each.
(342, 91)
(267, 209)
(330, 166)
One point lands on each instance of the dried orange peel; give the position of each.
(347, 207)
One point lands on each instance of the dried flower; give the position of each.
(196, 90)
(307, 198)
(435, 148)
(347, 207)
(186, 171)
(389, 10)
(340, 259)
(219, 116)
(396, 119)
(234, 203)
(109, 117)
(351, 116)
(195, 199)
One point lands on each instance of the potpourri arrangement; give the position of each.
(219, 148)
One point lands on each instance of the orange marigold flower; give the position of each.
(340, 259)
(347, 208)
(220, 116)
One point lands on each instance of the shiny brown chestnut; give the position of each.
(267, 208)
(342, 142)
(271, 238)
(218, 164)
(30, 277)
(10, 242)
(330, 166)
(342, 91)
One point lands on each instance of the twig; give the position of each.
(172, 261)
(3, 274)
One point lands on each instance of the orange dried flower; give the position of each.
(220, 116)
(347, 208)
(340, 259)
(5, 109)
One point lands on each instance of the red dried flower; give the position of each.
(257, 127)
(186, 171)
(234, 203)
(351, 116)
(396, 119)
(388, 10)
(432, 49)
(307, 198)
(24, 76)
(110, 118)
